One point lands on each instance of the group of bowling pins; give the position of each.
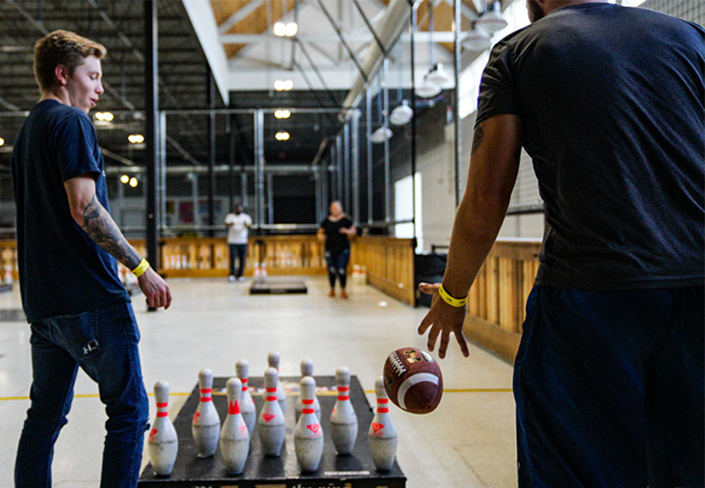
(235, 434)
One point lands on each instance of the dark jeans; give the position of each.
(337, 267)
(609, 389)
(239, 251)
(104, 344)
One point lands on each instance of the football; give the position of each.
(413, 380)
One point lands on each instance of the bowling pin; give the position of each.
(270, 422)
(343, 420)
(273, 360)
(162, 443)
(307, 370)
(247, 404)
(382, 436)
(206, 423)
(234, 438)
(308, 435)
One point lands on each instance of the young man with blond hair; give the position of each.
(79, 312)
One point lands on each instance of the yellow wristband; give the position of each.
(453, 302)
(139, 270)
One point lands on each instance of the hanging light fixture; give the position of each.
(492, 20)
(402, 114)
(381, 135)
(428, 89)
(438, 75)
(478, 39)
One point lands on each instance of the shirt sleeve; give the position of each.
(229, 218)
(346, 222)
(75, 142)
(497, 87)
(248, 219)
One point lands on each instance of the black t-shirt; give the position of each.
(62, 270)
(335, 241)
(611, 104)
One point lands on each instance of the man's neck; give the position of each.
(60, 95)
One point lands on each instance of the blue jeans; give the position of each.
(337, 267)
(609, 389)
(238, 251)
(104, 344)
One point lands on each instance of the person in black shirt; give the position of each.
(609, 377)
(68, 247)
(335, 231)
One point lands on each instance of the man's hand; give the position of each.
(442, 319)
(155, 289)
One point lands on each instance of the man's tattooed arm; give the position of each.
(101, 227)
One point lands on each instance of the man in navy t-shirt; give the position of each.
(80, 314)
(608, 379)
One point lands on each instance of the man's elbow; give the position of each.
(77, 214)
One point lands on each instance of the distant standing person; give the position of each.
(238, 224)
(335, 231)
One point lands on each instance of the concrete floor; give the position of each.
(467, 442)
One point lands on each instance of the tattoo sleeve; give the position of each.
(101, 227)
(477, 138)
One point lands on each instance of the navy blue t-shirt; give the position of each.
(62, 270)
(611, 104)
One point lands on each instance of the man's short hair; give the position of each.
(65, 48)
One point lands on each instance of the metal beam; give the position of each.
(239, 15)
(438, 37)
(151, 104)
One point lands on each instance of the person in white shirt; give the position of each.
(238, 224)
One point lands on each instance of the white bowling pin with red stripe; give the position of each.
(247, 404)
(308, 435)
(162, 443)
(273, 359)
(343, 420)
(270, 422)
(382, 436)
(234, 438)
(307, 370)
(206, 423)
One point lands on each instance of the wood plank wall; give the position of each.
(389, 263)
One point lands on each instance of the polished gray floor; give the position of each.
(467, 442)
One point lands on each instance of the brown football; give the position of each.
(413, 380)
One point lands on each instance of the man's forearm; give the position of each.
(101, 227)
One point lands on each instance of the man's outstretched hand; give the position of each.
(155, 289)
(442, 319)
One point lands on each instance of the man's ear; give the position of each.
(62, 74)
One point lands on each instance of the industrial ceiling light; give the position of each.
(134, 182)
(493, 20)
(402, 114)
(381, 135)
(104, 116)
(286, 30)
(438, 75)
(283, 85)
(282, 136)
(428, 89)
(478, 39)
(124, 179)
(282, 114)
(135, 138)
(2, 141)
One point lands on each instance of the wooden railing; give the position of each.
(496, 307)
(389, 263)
(208, 257)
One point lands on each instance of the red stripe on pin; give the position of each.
(243, 381)
(383, 400)
(162, 405)
(162, 414)
(206, 399)
(307, 411)
(382, 410)
(234, 408)
(343, 388)
(307, 402)
(343, 398)
(206, 390)
(271, 390)
(271, 399)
